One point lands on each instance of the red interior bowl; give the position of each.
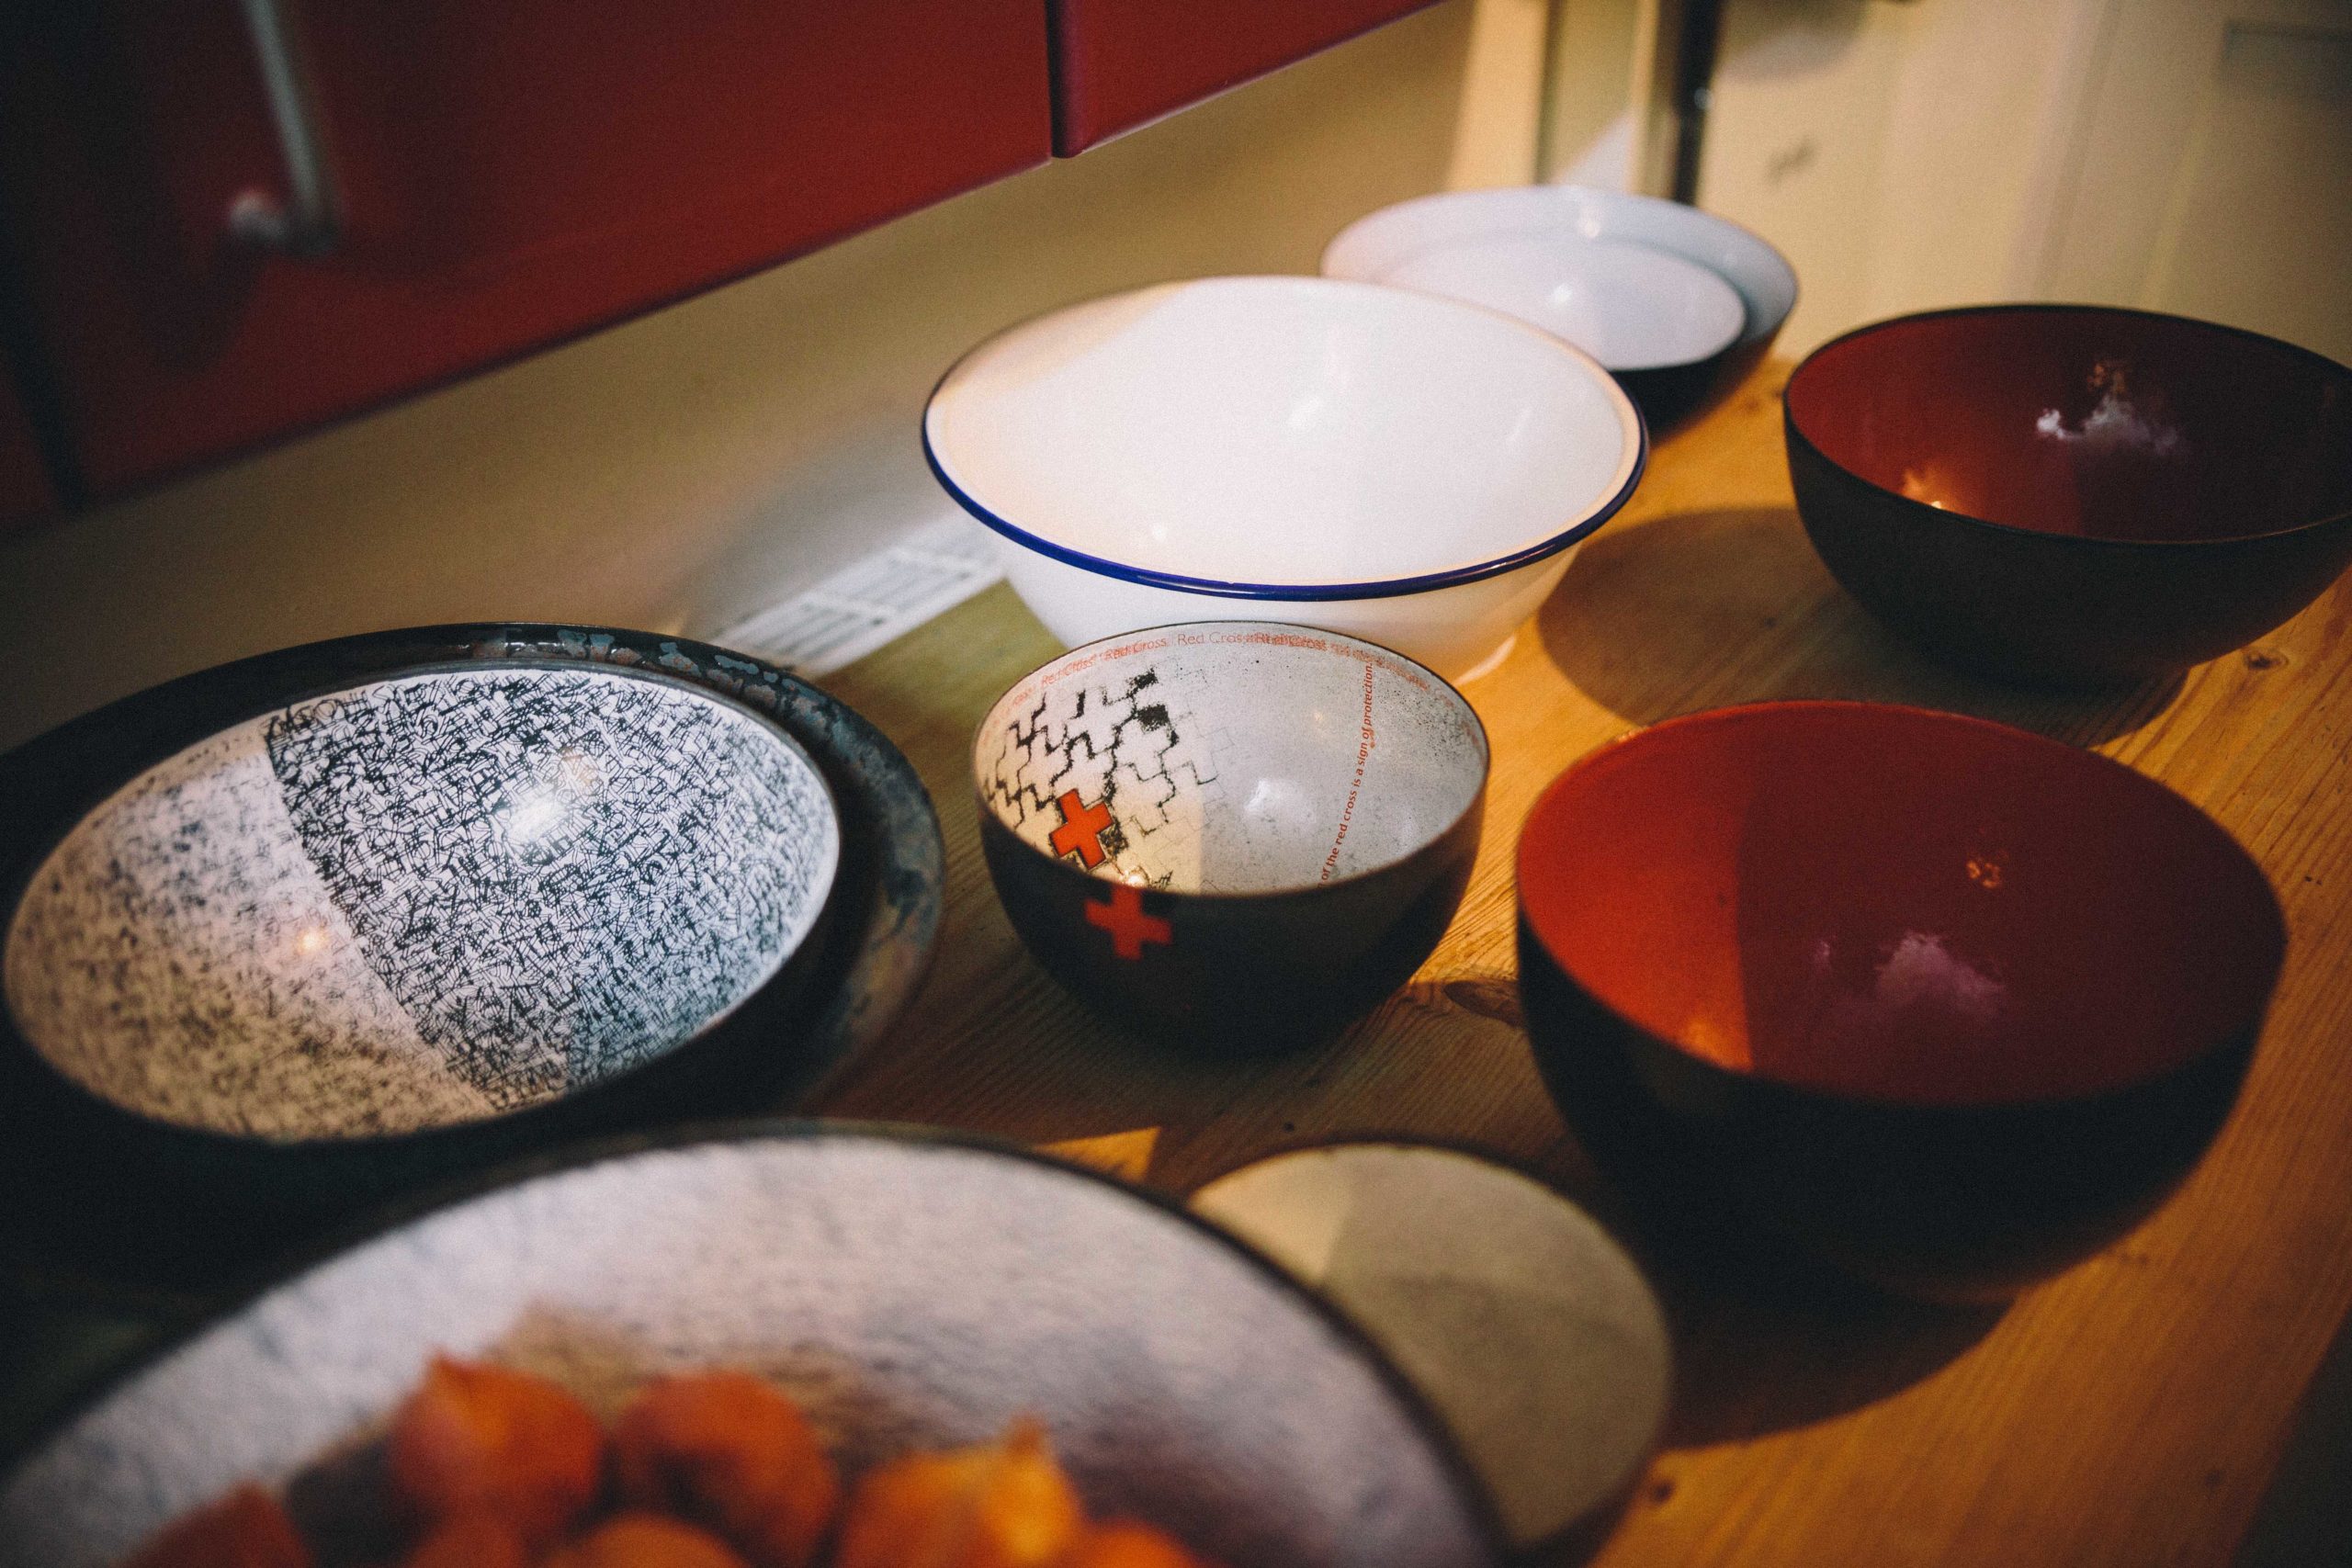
(1904, 926)
(2070, 494)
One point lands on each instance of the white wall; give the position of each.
(680, 469)
(2184, 155)
(1893, 149)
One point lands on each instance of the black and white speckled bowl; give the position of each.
(294, 933)
(912, 1289)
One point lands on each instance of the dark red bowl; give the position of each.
(1948, 1005)
(2072, 495)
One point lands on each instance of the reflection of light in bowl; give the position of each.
(533, 817)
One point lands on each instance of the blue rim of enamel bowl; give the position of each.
(1315, 592)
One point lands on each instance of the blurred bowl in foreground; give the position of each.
(908, 1290)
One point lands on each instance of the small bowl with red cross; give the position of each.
(1235, 834)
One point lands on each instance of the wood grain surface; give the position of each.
(2130, 1412)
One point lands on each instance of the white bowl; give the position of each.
(1632, 307)
(1408, 236)
(1404, 468)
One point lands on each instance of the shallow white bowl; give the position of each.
(1632, 307)
(1380, 242)
(1404, 468)
(1413, 238)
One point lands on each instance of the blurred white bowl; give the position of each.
(1397, 467)
(1631, 307)
(1490, 246)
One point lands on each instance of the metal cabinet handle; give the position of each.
(309, 220)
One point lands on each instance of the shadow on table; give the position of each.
(1763, 1345)
(1708, 609)
(1764, 1339)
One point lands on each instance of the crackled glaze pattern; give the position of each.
(422, 901)
(1229, 757)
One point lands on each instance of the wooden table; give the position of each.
(2131, 1412)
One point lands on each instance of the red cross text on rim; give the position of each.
(1082, 831)
(1124, 918)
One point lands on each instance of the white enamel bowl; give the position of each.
(1489, 246)
(1396, 467)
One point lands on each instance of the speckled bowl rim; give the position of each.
(2090, 761)
(396, 1216)
(1260, 895)
(39, 838)
(1796, 436)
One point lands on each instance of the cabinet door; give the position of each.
(509, 172)
(25, 488)
(1120, 62)
(2212, 172)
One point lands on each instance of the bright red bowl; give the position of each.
(1948, 1005)
(2070, 495)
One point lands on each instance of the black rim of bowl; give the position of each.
(1475, 802)
(178, 714)
(398, 1215)
(1797, 436)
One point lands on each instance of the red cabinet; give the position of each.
(1120, 62)
(506, 171)
(501, 174)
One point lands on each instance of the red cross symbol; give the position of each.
(1082, 831)
(1124, 918)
